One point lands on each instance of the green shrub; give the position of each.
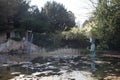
(16, 38)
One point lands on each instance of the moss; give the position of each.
(5, 76)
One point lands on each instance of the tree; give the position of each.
(106, 18)
(10, 13)
(58, 17)
(7, 11)
(22, 14)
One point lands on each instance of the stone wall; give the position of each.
(2, 37)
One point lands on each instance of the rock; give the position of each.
(21, 75)
(5, 65)
(86, 62)
(36, 73)
(15, 73)
(62, 71)
(65, 67)
(48, 63)
(15, 47)
(37, 65)
(22, 63)
(72, 62)
(70, 79)
(84, 58)
(49, 75)
(25, 66)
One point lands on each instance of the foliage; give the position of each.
(48, 20)
(21, 15)
(58, 17)
(43, 40)
(8, 10)
(73, 38)
(16, 39)
(106, 24)
(52, 26)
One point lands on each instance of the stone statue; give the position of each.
(92, 55)
(92, 47)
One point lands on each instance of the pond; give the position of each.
(46, 66)
(53, 66)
